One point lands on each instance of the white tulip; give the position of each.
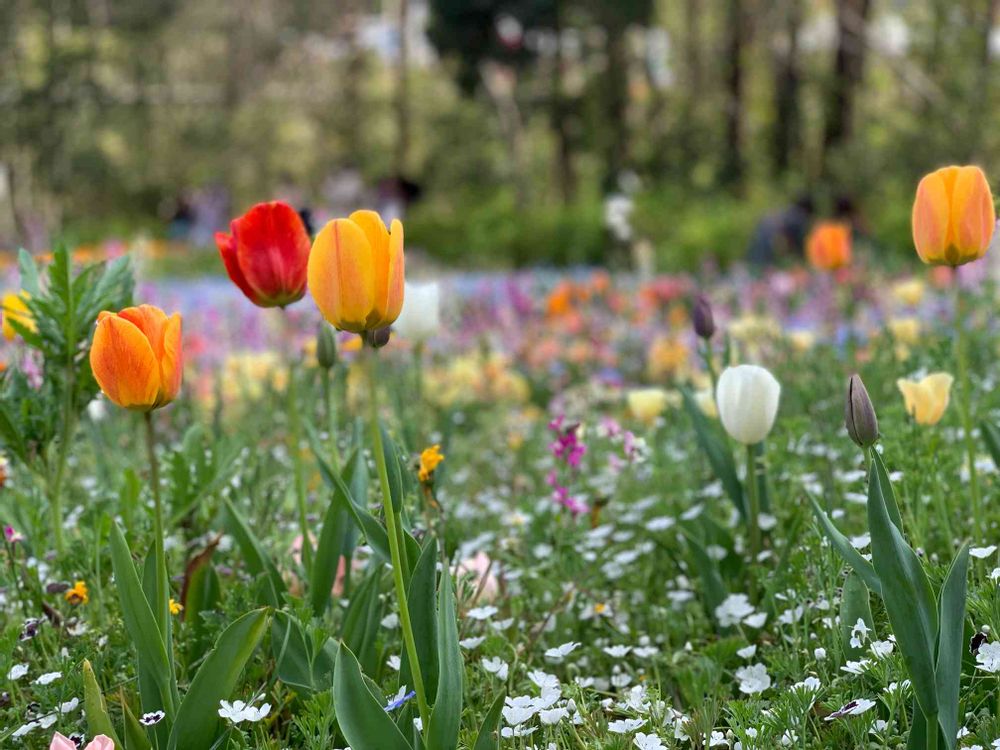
(747, 398)
(420, 317)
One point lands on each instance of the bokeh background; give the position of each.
(663, 134)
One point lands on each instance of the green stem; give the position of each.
(394, 534)
(161, 607)
(330, 415)
(753, 511)
(965, 407)
(66, 436)
(294, 433)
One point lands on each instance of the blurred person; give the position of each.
(781, 235)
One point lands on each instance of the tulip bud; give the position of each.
(861, 421)
(326, 347)
(704, 321)
(747, 398)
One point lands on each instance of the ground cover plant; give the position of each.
(317, 505)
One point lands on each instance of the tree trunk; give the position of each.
(560, 110)
(852, 20)
(736, 25)
(403, 91)
(786, 129)
(615, 105)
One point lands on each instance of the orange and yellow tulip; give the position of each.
(356, 272)
(953, 216)
(136, 357)
(16, 309)
(829, 245)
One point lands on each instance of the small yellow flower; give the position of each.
(599, 608)
(429, 460)
(16, 309)
(175, 606)
(78, 594)
(927, 399)
(909, 291)
(646, 404)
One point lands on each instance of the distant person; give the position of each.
(306, 214)
(781, 235)
(181, 219)
(394, 195)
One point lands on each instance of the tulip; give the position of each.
(266, 254)
(702, 318)
(420, 317)
(829, 245)
(860, 418)
(927, 399)
(16, 309)
(953, 216)
(136, 357)
(646, 404)
(100, 742)
(356, 272)
(747, 398)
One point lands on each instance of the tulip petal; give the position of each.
(396, 274)
(930, 218)
(124, 364)
(272, 248)
(342, 275)
(227, 249)
(378, 237)
(60, 742)
(171, 361)
(972, 214)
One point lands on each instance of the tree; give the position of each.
(848, 73)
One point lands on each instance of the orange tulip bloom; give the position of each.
(136, 357)
(356, 272)
(953, 216)
(829, 245)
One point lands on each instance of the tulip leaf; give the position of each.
(96, 710)
(950, 645)
(488, 737)
(720, 457)
(392, 466)
(421, 596)
(198, 716)
(136, 736)
(909, 601)
(992, 437)
(363, 720)
(888, 494)
(843, 545)
(257, 560)
(139, 621)
(446, 717)
(713, 589)
(331, 549)
(361, 621)
(854, 605)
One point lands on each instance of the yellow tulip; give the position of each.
(646, 404)
(356, 272)
(927, 399)
(16, 309)
(909, 292)
(904, 330)
(953, 216)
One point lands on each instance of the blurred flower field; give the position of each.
(545, 511)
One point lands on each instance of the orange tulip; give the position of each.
(953, 216)
(136, 357)
(356, 272)
(829, 245)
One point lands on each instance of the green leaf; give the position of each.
(258, 562)
(446, 717)
(888, 494)
(420, 597)
(950, 645)
(991, 435)
(300, 663)
(854, 606)
(488, 737)
(136, 737)
(29, 273)
(361, 621)
(720, 457)
(139, 620)
(909, 602)
(392, 466)
(363, 720)
(98, 721)
(12, 438)
(713, 589)
(197, 721)
(843, 545)
(332, 545)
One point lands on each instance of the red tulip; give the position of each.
(267, 253)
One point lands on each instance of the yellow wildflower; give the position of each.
(429, 460)
(78, 594)
(175, 606)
